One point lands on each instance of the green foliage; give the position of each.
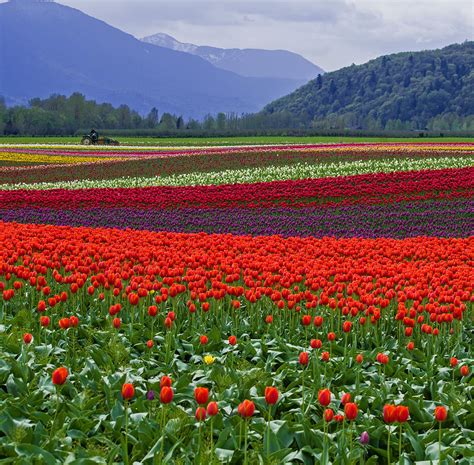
(404, 91)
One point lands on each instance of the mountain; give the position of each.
(47, 48)
(246, 62)
(399, 91)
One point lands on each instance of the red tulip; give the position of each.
(41, 306)
(359, 358)
(306, 320)
(74, 321)
(246, 409)
(316, 343)
(203, 340)
(269, 319)
(201, 394)
(339, 418)
(64, 323)
(59, 376)
(440, 413)
(331, 337)
(232, 340)
(116, 322)
(351, 411)
(402, 413)
(128, 391)
(149, 343)
(271, 395)
(165, 381)
(318, 321)
(328, 415)
(325, 356)
(453, 362)
(166, 395)
(168, 322)
(303, 358)
(324, 397)
(411, 345)
(27, 338)
(389, 413)
(212, 409)
(44, 321)
(346, 326)
(200, 414)
(345, 398)
(464, 370)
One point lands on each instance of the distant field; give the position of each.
(195, 141)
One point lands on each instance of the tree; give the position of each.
(319, 81)
(152, 119)
(221, 121)
(168, 122)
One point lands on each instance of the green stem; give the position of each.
(212, 439)
(388, 447)
(56, 413)
(125, 455)
(439, 443)
(162, 432)
(245, 442)
(199, 444)
(400, 444)
(268, 432)
(350, 441)
(302, 392)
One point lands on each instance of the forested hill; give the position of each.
(432, 88)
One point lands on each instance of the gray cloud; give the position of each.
(332, 33)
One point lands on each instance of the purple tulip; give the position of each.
(364, 438)
(150, 395)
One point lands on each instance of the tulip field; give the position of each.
(286, 304)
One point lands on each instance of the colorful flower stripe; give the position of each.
(356, 148)
(364, 189)
(144, 167)
(288, 262)
(47, 158)
(434, 218)
(265, 174)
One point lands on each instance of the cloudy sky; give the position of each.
(331, 33)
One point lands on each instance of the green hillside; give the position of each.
(433, 89)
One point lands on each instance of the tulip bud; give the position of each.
(364, 438)
(128, 391)
(271, 395)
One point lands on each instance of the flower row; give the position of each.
(265, 174)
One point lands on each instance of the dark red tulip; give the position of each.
(440, 413)
(303, 358)
(59, 376)
(201, 394)
(212, 409)
(389, 413)
(246, 408)
(271, 395)
(328, 415)
(166, 395)
(351, 411)
(402, 413)
(200, 414)
(324, 397)
(128, 391)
